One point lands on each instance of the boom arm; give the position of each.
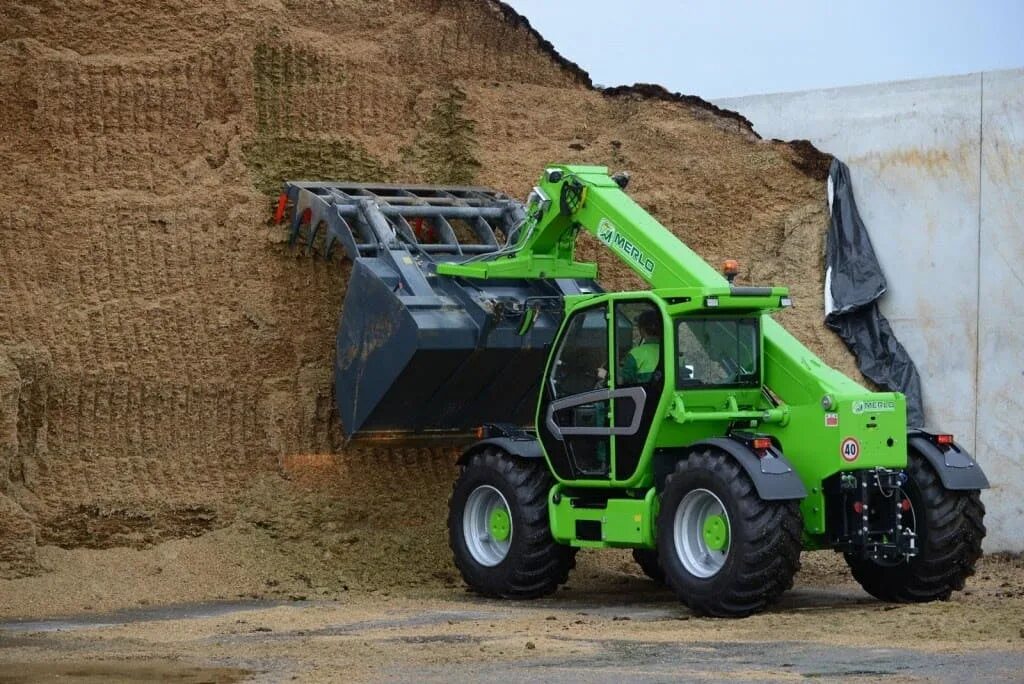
(569, 198)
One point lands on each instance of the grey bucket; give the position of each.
(418, 353)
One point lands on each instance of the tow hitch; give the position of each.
(873, 515)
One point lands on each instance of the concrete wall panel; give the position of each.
(937, 171)
(1001, 303)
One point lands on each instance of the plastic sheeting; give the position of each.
(853, 285)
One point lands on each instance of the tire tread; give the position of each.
(774, 542)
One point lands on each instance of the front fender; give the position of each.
(955, 467)
(520, 448)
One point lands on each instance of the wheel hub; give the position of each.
(500, 524)
(716, 532)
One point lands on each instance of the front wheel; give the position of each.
(498, 528)
(949, 526)
(725, 551)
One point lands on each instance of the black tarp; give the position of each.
(853, 284)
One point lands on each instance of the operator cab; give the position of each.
(617, 354)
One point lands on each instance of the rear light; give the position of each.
(761, 444)
(905, 505)
(944, 440)
(480, 432)
(858, 507)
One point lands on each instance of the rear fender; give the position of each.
(773, 475)
(956, 468)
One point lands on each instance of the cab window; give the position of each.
(716, 352)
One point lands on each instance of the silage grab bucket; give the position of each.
(418, 353)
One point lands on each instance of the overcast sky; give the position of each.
(725, 48)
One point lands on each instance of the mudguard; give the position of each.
(773, 475)
(956, 468)
(510, 439)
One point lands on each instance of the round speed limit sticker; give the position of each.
(850, 449)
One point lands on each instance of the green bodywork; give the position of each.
(812, 410)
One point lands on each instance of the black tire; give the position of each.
(949, 542)
(647, 559)
(763, 552)
(535, 565)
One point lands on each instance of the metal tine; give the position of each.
(321, 210)
(344, 235)
(480, 227)
(485, 232)
(302, 199)
(315, 216)
(447, 233)
(402, 224)
(345, 203)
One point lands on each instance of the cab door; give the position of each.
(638, 379)
(581, 410)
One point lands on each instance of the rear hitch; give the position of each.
(872, 515)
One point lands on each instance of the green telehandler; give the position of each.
(682, 422)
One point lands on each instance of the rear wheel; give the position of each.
(949, 526)
(647, 559)
(498, 527)
(725, 551)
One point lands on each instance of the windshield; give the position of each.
(715, 352)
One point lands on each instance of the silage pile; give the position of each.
(165, 361)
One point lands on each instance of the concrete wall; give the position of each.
(938, 174)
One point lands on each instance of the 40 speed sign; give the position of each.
(850, 449)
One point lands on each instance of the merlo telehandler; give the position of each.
(682, 422)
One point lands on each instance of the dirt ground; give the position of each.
(608, 624)
(260, 599)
